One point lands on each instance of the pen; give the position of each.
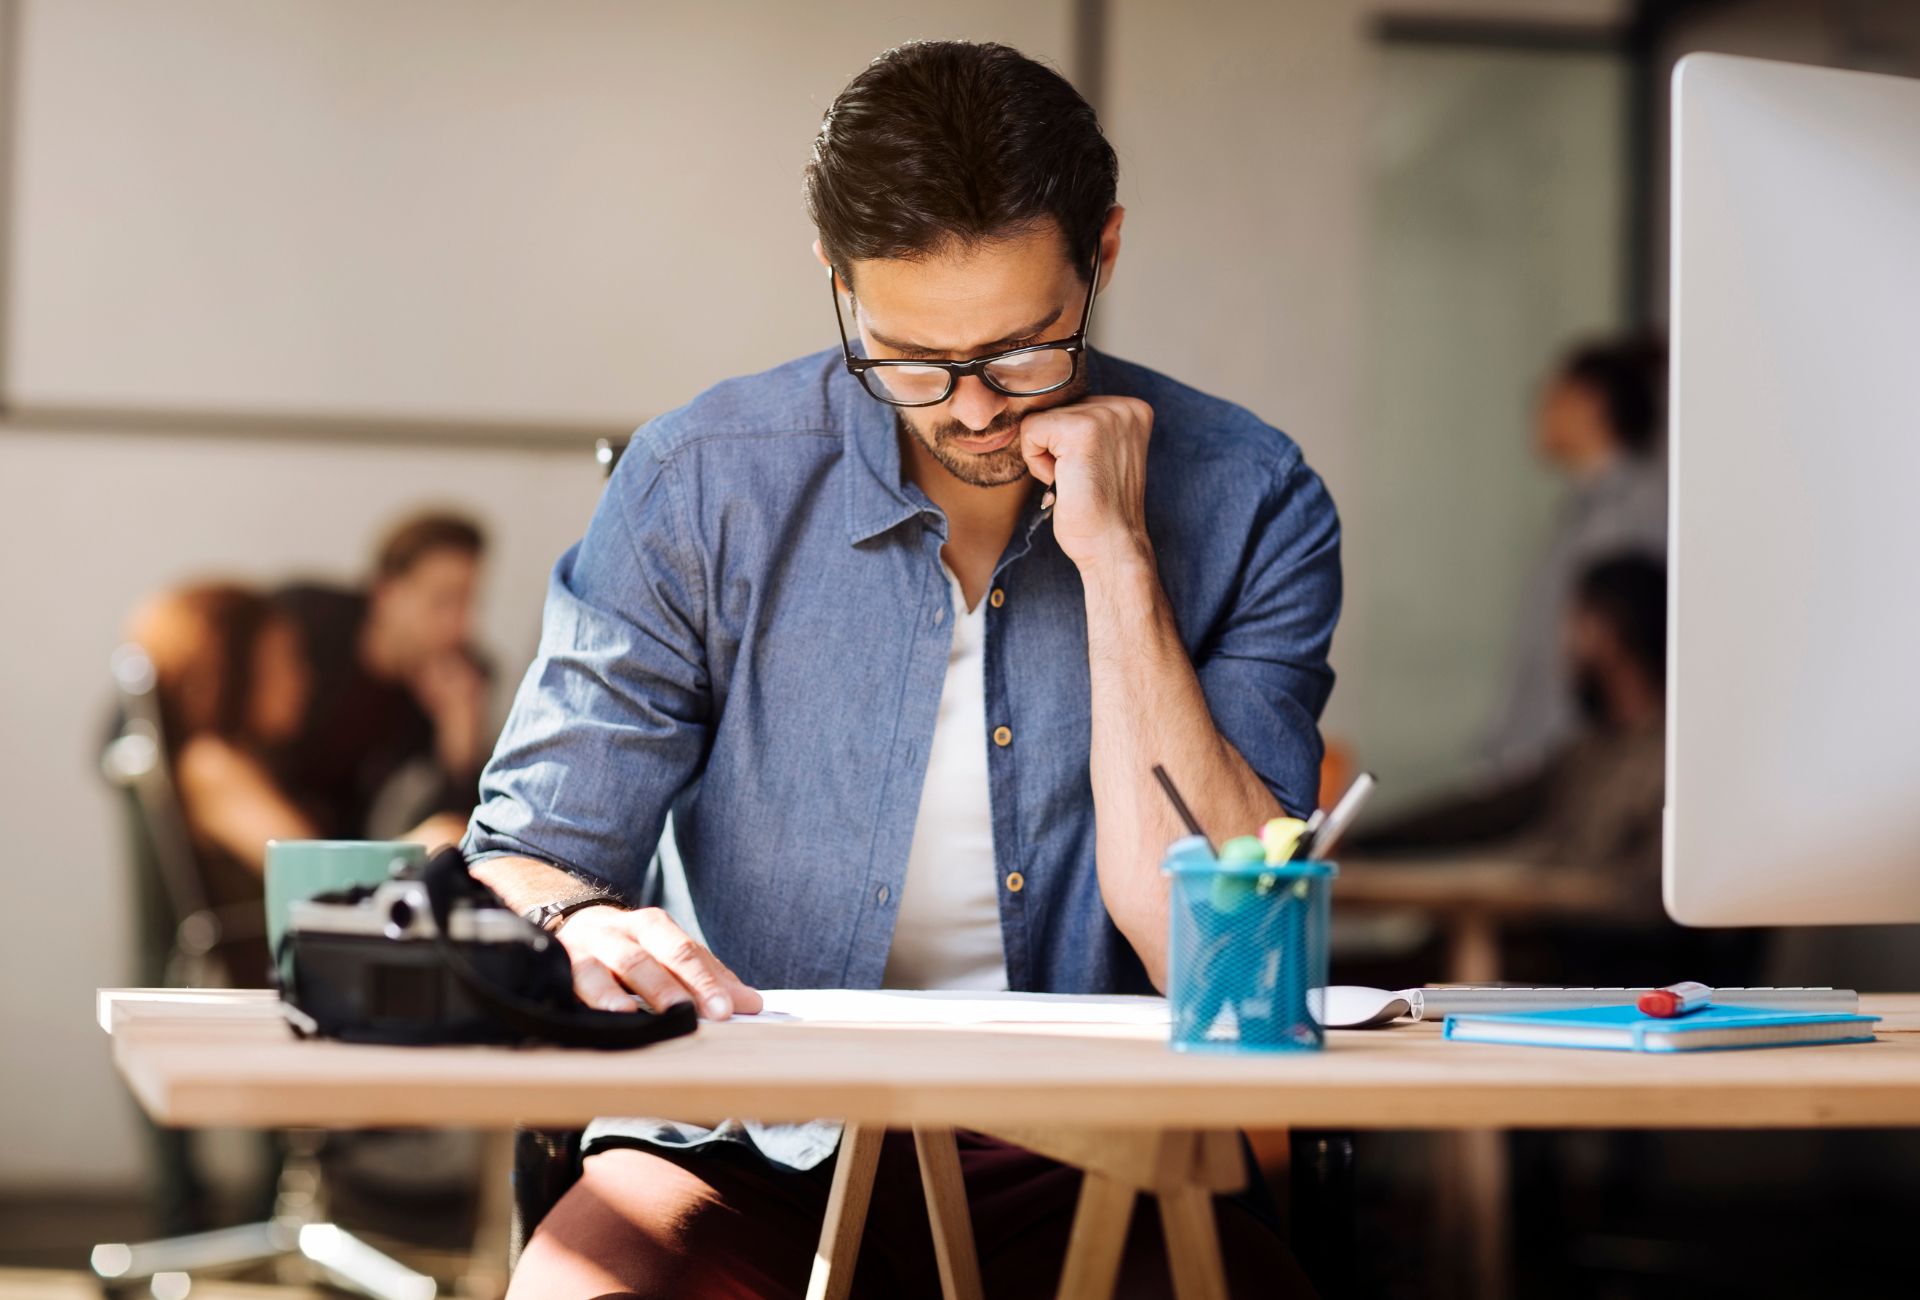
(1341, 817)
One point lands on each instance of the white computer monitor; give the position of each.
(1793, 727)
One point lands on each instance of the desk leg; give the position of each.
(1483, 1176)
(846, 1218)
(1193, 1243)
(1183, 1167)
(1480, 1155)
(1473, 948)
(1099, 1238)
(947, 1212)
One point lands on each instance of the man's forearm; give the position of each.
(525, 883)
(1148, 708)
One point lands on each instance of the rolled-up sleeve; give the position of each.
(1265, 673)
(611, 722)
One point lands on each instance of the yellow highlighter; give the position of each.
(1279, 837)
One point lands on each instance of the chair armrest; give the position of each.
(546, 1162)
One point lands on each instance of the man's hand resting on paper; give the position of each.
(617, 953)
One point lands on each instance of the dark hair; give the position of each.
(1629, 592)
(202, 641)
(412, 539)
(943, 142)
(1630, 378)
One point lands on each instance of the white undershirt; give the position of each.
(947, 933)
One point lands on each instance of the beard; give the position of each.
(986, 469)
(976, 469)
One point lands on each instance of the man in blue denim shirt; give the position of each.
(757, 633)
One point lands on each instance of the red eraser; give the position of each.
(1659, 1002)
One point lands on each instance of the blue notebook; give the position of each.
(1628, 1029)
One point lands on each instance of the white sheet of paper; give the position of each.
(944, 1007)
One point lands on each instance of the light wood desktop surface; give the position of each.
(228, 1059)
(1112, 1099)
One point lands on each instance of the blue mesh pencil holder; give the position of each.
(1247, 964)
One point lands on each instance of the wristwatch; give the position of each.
(548, 916)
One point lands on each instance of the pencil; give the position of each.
(1180, 806)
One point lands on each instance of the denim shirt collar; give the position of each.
(878, 496)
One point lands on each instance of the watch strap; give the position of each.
(547, 916)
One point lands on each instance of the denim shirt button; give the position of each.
(1003, 736)
(998, 598)
(881, 895)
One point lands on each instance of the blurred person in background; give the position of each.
(231, 683)
(1596, 802)
(1601, 425)
(395, 729)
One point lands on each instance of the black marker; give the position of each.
(1180, 806)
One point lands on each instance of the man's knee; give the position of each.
(633, 1225)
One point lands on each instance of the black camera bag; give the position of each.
(368, 988)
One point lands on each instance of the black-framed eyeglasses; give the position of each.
(1031, 371)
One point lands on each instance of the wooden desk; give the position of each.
(228, 1059)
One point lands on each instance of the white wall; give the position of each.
(1583, 13)
(1239, 128)
(581, 209)
(576, 211)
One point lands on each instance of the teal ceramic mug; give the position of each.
(299, 869)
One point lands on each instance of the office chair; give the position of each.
(135, 761)
(607, 454)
